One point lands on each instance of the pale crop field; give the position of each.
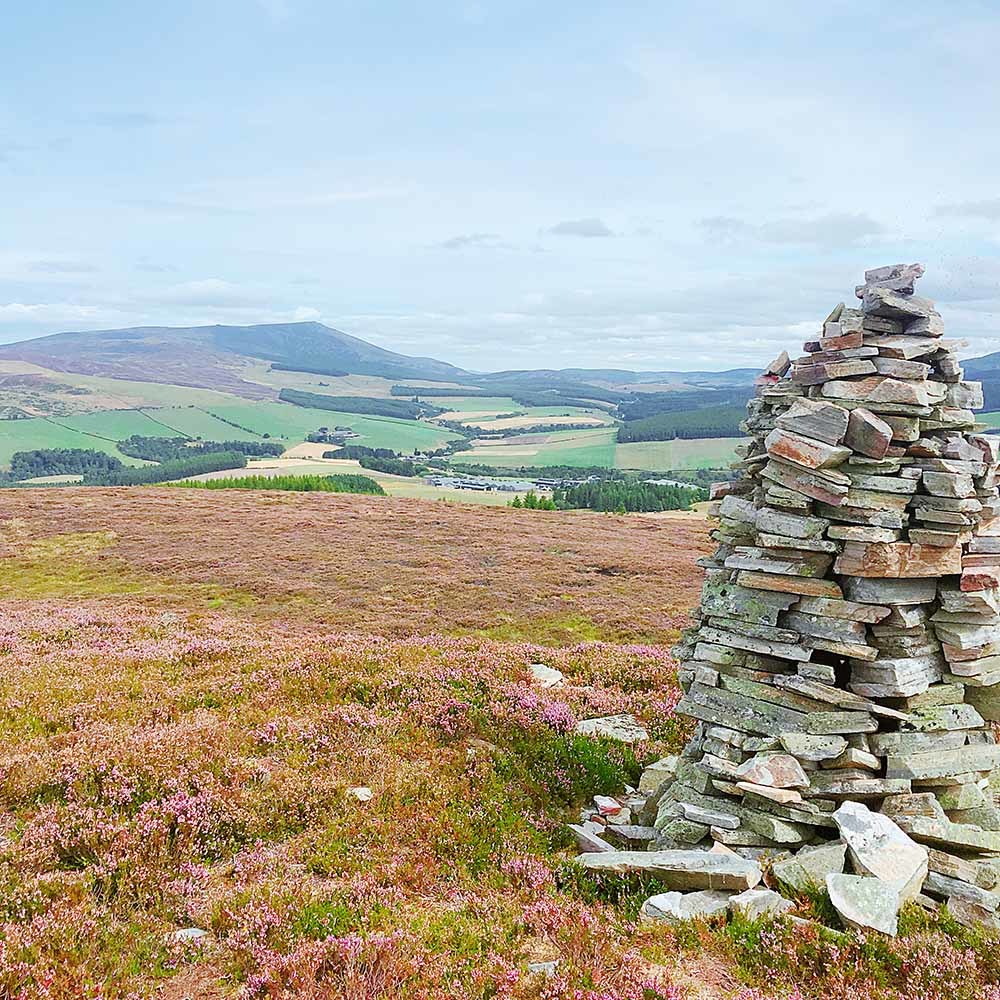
(696, 453)
(577, 448)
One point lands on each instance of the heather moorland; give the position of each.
(196, 685)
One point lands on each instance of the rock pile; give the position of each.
(845, 665)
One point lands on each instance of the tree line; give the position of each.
(627, 497)
(163, 449)
(347, 483)
(709, 422)
(197, 465)
(399, 408)
(649, 404)
(61, 462)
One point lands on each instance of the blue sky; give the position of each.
(499, 184)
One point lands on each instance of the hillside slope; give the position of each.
(217, 357)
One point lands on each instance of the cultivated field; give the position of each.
(578, 448)
(194, 685)
(220, 422)
(696, 453)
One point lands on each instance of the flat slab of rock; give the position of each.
(756, 903)
(682, 870)
(951, 836)
(675, 907)
(879, 848)
(897, 560)
(623, 728)
(864, 903)
(813, 748)
(809, 868)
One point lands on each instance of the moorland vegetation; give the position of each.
(191, 711)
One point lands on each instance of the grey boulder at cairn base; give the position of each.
(847, 644)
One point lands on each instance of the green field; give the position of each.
(476, 404)
(990, 419)
(658, 456)
(149, 393)
(578, 448)
(541, 413)
(282, 421)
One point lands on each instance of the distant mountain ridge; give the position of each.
(221, 357)
(217, 357)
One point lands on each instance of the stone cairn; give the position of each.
(845, 666)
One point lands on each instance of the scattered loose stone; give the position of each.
(878, 847)
(188, 935)
(864, 903)
(548, 969)
(545, 676)
(588, 839)
(360, 793)
(622, 728)
(674, 907)
(756, 903)
(680, 870)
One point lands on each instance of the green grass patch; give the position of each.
(696, 453)
(557, 630)
(578, 449)
(82, 565)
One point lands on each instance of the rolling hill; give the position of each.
(219, 358)
(216, 357)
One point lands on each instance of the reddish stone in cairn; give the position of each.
(868, 434)
(893, 560)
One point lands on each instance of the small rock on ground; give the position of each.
(623, 728)
(674, 907)
(545, 676)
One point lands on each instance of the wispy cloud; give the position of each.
(833, 230)
(62, 267)
(491, 241)
(988, 209)
(588, 228)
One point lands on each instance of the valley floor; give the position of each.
(194, 687)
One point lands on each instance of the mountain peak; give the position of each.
(212, 356)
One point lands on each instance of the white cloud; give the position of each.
(46, 312)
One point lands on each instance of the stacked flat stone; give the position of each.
(848, 638)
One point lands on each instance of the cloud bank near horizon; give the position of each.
(503, 186)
